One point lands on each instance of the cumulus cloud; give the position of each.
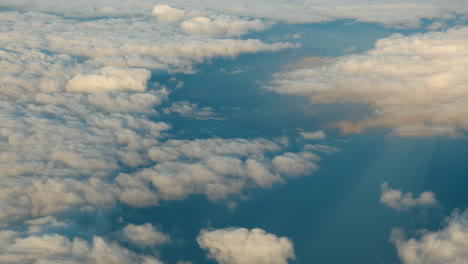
(218, 168)
(240, 245)
(395, 199)
(145, 235)
(447, 245)
(82, 123)
(110, 79)
(414, 85)
(223, 25)
(55, 248)
(78, 107)
(167, 13)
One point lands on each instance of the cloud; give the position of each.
(16, 247)
(223, 25)
(110, 79)
(314, 135)
(145, 235)
(413, 85)
(447, 245)
(85, 127)
(192, 110)
(167, 13)
(37, 44)
(218, 168)
(401, 13)
(240, 245)
(395, 199)
(397, 14)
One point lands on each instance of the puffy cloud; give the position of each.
(58, 49)
(222, 25)
(167, 13)
(54, 248)
(81, 123)
(414, 85)
(447, 245)
(218, 168)
(110, 79)
(145, 235)
(78, 107)
(240, 245)
(395, 199)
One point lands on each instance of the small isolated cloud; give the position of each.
(187, 109)
(240, 246)
(395, 198)
(145, 235)
(413, 85)
(314, 135)
(448, 245)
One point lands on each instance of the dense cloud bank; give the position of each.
(82, 131)
(415, 85)
(398, 13)
(85, 128)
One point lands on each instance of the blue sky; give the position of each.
(267, 132)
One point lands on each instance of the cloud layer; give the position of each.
(415, 85)
(240, 245)
(401, 13)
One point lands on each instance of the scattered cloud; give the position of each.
(145, 235)
(414, 85)
(314, 135)
(447, 245)
(16, 247)
(192, 110)
(395, 198)
(240, 245)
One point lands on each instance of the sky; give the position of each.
(233, 132)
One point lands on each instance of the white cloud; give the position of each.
(395, 199)
(447, 245)
(314, 135)
(145, 235)
(16, 247)
(192, 110)
(110, 79)
(167, 13)
(223, 25)
(414, 85)
(218, 168)
(240, 245)
(78, 108)
(391, 13)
